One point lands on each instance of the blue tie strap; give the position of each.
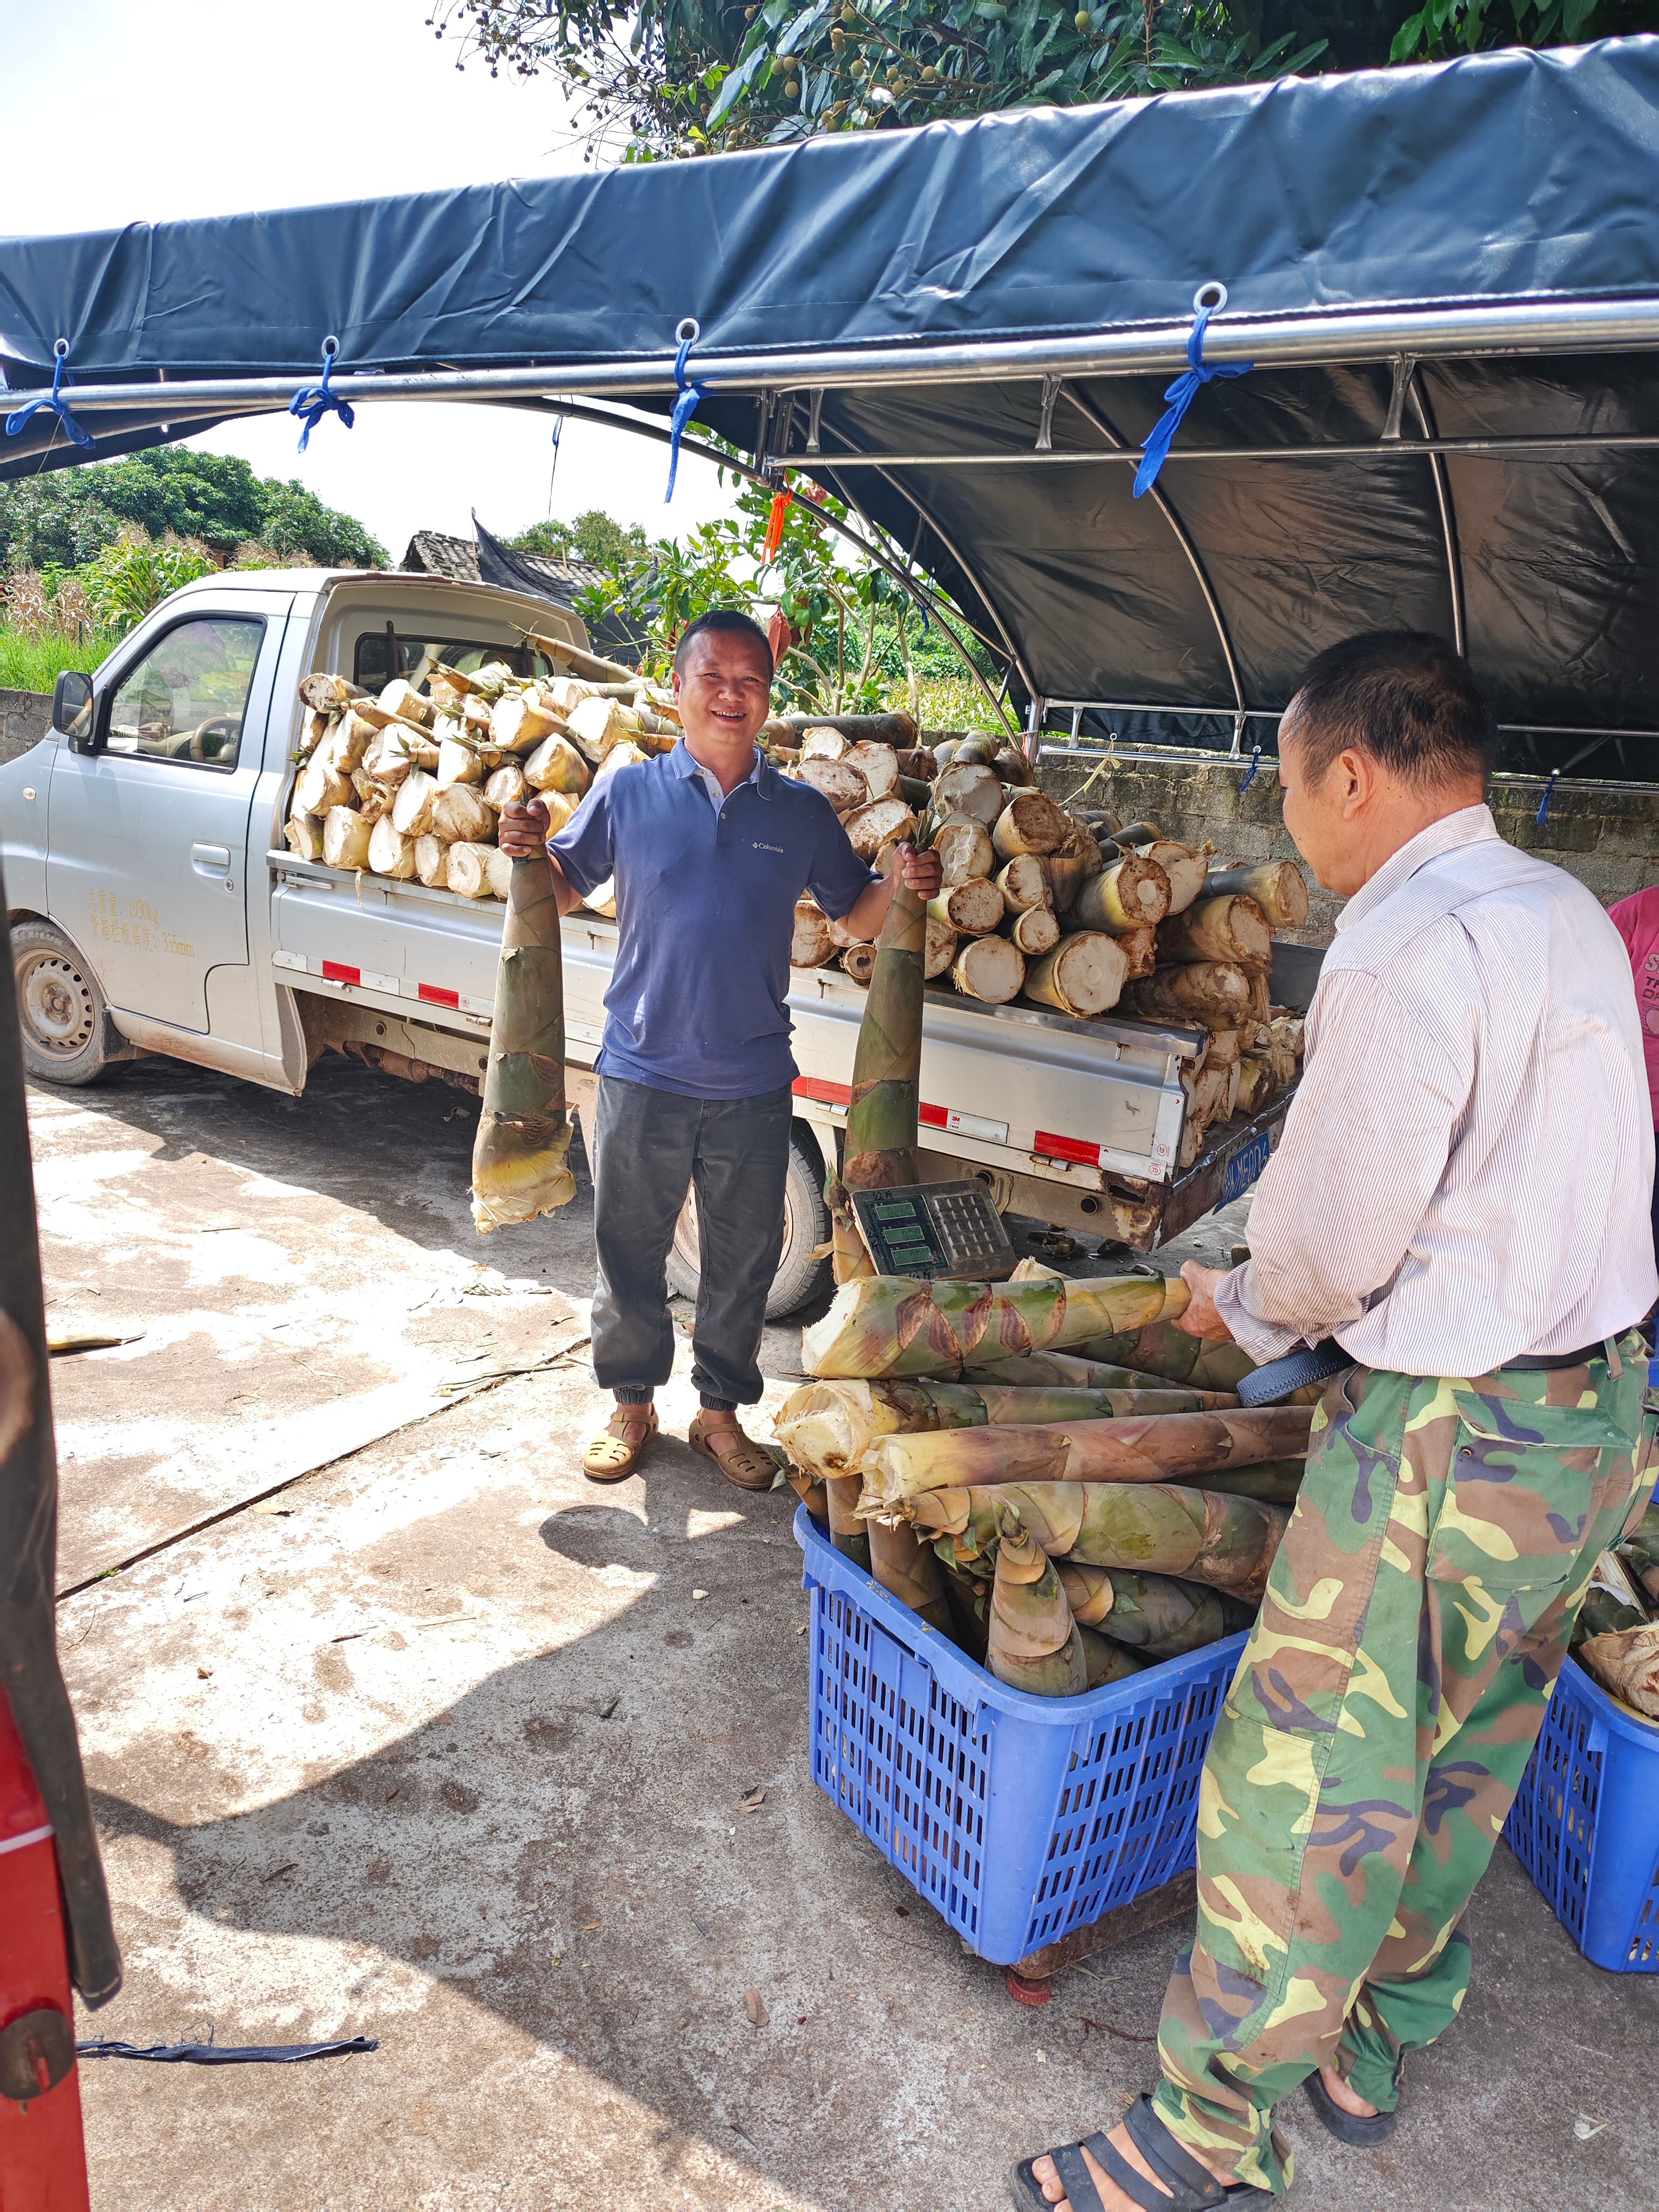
(57, 405)
(317, 400)
(1207, 300)
(690, 398)
(1544, 803)
(1256, 763)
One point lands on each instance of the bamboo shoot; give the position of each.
(463, 815)
(1035, 933)
(966, 853)
(811, 944)
(869, 827)
(972, 909)
(990, 968)
(432, 861)
(519, 1164)
(1278, 888)
(1030, 823)
(304, 833)
(878, 765)
(910, 1570)
(891, 1325)
(1033, 1642)
(467, 869)
(1023, 884)
(345, 838)
(390, 853)
(1131, 893)
(1083, 976)
(970, 789)
(1230, 928)
(555, 765)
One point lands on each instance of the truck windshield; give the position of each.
(381, 656)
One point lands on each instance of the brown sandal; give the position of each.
(749, 1465)
(609, 1457)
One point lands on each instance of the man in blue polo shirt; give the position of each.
(709, 847)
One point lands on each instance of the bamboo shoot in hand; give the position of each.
(893, 1325)
(520, 1168)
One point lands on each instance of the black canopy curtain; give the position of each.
(1447, 278)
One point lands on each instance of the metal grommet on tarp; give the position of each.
(687, 331)
(57, 404)
(318, 400)
(1209, 300)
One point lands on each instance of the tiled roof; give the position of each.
(431, 553)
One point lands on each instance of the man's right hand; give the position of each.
(522, 831)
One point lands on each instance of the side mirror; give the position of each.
(71, 710)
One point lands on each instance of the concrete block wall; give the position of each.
(1607, 834)
(25, 718)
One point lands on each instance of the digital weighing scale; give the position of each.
(929, 1228)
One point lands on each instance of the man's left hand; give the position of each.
(920, 871)
(1201, 1318)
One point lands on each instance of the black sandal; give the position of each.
(1363, 2133)
(1194, 2188)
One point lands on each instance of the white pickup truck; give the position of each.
(155, 908)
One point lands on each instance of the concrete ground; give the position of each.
(443, 1746)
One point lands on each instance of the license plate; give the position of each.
(1241, 1171)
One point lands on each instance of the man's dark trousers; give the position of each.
(649, 1147)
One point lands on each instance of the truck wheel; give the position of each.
(805, 1226)
(60, 1008)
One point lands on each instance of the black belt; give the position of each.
(1280, 1376)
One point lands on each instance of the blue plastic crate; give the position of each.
(1018, 1818)
(1585, 1824)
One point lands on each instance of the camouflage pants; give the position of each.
(1378, 1727)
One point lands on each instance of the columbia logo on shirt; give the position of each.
(755, 845)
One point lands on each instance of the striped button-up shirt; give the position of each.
(1466, 1170)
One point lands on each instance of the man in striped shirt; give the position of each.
(1459, 1200)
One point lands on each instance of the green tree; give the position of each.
(595, 536)
(64, 519)
(688, 76)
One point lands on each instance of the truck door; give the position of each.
(148, 835)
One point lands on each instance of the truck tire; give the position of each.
(805, 1226)
(64, 1023)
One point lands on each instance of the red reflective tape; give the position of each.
(1066, 1148)
(434, 996)
(827, 1094)
(337, 972)
(936, 1117)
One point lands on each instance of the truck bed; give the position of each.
(1074, 1123)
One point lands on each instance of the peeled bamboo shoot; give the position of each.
(891, 1325)
(432, 861)
(878, 765)
(519, 723)
(972, 909)
(597, 725)
(345, 838)
(319, 786)
(498, 871)
(458, 764)
(871, 827)
(1278, 888)
(1185, 866)
(965, 852)
(1230, 928)
(1023, 884)
(520, 1168)
(838, 781)
(390, 853)
(859, 963)
(1255, 1084)
(507, 786)
(1029, 823)
(555, 765)
(304, 833)
(412, 809)
(1215, 993)
(1034, 932)
(972, 790)
(467, 869)
(811, 944)
(941, 949)
(824, 745)
(463, 815)
(1131, 893)
(1083, 976)
(989, 968)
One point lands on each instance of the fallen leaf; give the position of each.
(589, 1926)
(756, 1798)
(756, 2010)
(903, 1910)
(204, 1674)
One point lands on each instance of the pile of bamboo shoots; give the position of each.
(411, 784)
(1065, 1520)
(1616, 1636)
(1073, 913)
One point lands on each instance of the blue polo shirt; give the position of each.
(705, 910)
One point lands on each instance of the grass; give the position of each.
(952, 702)
(35, 663)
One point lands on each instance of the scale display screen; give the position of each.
(929, 1228)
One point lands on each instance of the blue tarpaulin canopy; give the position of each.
(1431, 270)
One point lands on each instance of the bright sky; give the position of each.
(140, 111)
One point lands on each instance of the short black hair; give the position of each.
(730, 621)
(1402, 695)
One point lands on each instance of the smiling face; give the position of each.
(724, 690)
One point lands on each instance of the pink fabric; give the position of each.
(1637, 920)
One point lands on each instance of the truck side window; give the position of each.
(185, 699)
